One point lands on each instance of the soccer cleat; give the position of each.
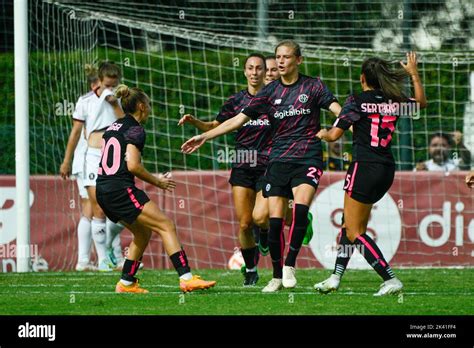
(390, 287)
(112, 260)
(309, 230)
(273, 285)
(133, 288)
(105, 266)
(289, 279)
(85, 266)
(328, 285)
(251, 278)
(195, 283)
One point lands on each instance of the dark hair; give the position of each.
(292, 44)
(109, 69)
(130, 97)
(91, 73)
(257, 55)
(441, 135)
(379, 75)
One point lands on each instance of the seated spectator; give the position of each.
(440, 154)
(334, 158)
(461, 155)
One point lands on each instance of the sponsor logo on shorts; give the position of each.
(303, 98)
(268, 187)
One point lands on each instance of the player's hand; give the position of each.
(165, 182)
(193, 144)
(410, 66)
(470, 180)
(322, 134)
(65, 170)
(186, 118)
(421, 166)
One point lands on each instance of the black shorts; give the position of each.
(367, 182)
(125, 204)
(282, 177)
(247, 177)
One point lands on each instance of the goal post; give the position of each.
(22, 157)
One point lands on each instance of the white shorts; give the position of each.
(80, 185)
(92, 166)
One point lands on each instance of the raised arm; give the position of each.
(226, 127)
(201, 125)
(411, 68)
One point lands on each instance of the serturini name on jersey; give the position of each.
(257, 122)
(291, 112)
(395, 108)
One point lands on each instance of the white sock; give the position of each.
(252, 269)
(98, 235)
(186, 276)
(117, 247)
(84, 240)
(112, 230)
(126, 282)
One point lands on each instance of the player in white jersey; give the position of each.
(84, 238)
(97, 111)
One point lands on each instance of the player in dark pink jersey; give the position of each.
(373, 114)
(253, 142)
(293, 104)
(120, 162)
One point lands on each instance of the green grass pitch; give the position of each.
(427, 292)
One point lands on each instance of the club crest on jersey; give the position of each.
(303, 98)
(277, 102)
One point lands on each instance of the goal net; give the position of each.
(189, 59)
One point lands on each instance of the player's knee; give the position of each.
(166, 226)
(260, 218)
(352, 234)
(245, 225)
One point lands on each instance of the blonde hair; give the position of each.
(291, 44)
(92, 74)
(109, 69)
(130, 97)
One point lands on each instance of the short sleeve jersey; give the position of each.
(254, 135)
(113, 172)
(374, 119)
(96, 113)
(294, 113)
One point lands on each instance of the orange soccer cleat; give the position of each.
(195, 283)
(133, 289)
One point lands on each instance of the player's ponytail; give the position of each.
(379, 75)
(130, 97)
(91, 73)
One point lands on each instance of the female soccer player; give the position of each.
(373, 114)
(100, 110)
(293, 104)
(271, 73)
(246, 177)
(121, 200)
(76, 136)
